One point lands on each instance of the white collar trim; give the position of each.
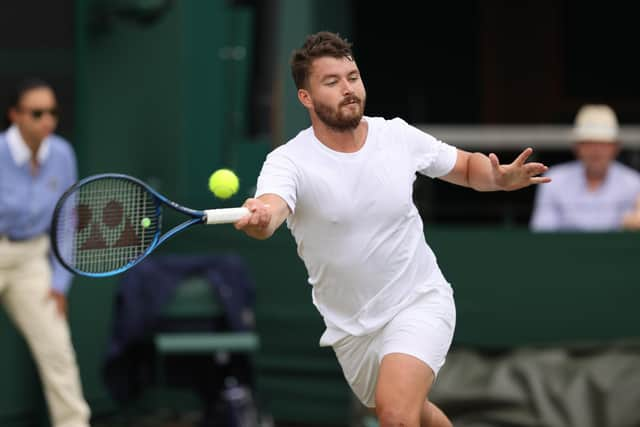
(19, 149)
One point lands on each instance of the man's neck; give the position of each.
(595, 180)
(348, 141)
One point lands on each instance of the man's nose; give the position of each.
(347, 87)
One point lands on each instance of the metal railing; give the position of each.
(495, 137)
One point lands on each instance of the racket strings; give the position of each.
(106, 224)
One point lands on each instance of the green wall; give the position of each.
(167, 101)
(512, 288)
(162, 101)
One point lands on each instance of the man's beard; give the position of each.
(336, 120)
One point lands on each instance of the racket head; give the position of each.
(105, 224)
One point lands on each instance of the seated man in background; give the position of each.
(594, 192)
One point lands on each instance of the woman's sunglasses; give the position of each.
(37, 113)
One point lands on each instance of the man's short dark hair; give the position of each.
(318, 45)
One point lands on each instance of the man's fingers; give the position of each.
(494, 160)
(535, 168)
(540, 179)
(523, 156)
(242, 222)
(259, 215)
(255, 218)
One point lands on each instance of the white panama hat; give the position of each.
(596, 122)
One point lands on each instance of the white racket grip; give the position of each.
(225, 216)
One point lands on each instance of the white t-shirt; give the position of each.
(357, 229)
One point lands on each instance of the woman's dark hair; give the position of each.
(20, 89)
(316, 46)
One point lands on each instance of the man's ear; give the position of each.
(304, 98)
(618, 148)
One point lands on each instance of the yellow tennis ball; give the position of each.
(223, 183)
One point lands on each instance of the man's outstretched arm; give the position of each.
(485, 173)
(267, 213)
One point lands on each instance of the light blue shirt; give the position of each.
(566, 203)
(27, 201)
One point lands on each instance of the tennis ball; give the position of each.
(223, 183)
(145, 222)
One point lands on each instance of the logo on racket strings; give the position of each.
(114, 225)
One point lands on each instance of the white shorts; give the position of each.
(423, 330)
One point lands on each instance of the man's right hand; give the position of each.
(258, 219)
(267, 213)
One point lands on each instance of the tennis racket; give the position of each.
(105, 224)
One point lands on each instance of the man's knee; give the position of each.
(432, 416)
(394, 416)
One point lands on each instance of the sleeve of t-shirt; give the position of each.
(278, 176)
(432, 157)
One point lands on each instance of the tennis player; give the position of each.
(344, 186)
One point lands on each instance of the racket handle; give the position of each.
(224, 216)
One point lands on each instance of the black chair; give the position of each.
(192, 329)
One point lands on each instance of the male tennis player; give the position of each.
(344, 185)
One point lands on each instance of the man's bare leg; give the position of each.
(432, 416)
(403, 385)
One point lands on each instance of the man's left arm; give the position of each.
(485, 173)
